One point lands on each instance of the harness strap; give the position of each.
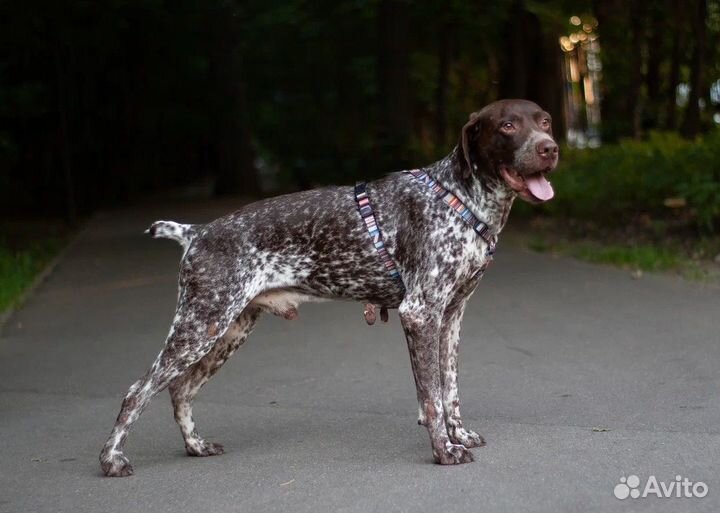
(481, 228)
(368, 216)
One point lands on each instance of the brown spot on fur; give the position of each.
(212, 330)
(291, 314)
(430, 413)
(129, 403)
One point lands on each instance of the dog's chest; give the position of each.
(461, 253)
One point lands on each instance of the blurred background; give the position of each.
(105, 104)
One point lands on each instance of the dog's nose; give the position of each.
(547, 148)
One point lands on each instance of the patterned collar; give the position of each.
(480, 227)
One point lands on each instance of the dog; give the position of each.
(316, 245)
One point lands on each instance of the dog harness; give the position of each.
(368, 216)
(480, 227)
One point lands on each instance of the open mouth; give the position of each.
(533, 187)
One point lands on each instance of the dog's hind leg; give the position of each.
(184, 388)
(203, 315)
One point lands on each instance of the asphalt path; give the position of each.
(576, 375)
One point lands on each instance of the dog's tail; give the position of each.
(183, 233)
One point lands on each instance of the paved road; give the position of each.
(318, 414)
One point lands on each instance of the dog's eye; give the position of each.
(508, 127)
(545, 123)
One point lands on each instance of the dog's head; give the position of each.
(511, 140)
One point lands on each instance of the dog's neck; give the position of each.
(490, 201)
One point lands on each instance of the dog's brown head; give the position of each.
(511, 140)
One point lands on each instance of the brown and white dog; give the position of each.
(277, 253)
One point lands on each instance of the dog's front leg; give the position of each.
(449, 343)
(421, 323)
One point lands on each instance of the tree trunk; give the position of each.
(533, 68)
(613, 20)
(550, 88)
(63, 99)
(674, 76)
(635, 100)
(236, 172)
(514, 82)
(691, 125)
(394, 80)
(655, 53)
(443, 83)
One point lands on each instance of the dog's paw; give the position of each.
(202, 448)
(465, 437)
(453, 454)
(116, 465)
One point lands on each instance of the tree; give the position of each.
(677, 23)
(691, 124)
(393, 65)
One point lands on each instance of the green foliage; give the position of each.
(107, 99)
(101, 101)
(617, 183)
(316, 88)
(633, 255)
(643, 257)
(18, 269)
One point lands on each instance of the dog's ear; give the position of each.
(468, 138)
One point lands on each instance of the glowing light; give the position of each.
(566, 44)
(682, 93)
(574, 73)
(589, 94)
(582, 71)
(715, 93)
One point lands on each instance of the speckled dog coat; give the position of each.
(312, 246)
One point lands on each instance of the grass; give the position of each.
(19, 267)
(644, 258)
(630, 256)
(645, 245)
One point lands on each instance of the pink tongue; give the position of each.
(539, 186)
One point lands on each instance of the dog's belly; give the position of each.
(283, 302)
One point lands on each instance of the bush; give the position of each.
(18, 268)
(616, 183)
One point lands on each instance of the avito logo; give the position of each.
(679, 488)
